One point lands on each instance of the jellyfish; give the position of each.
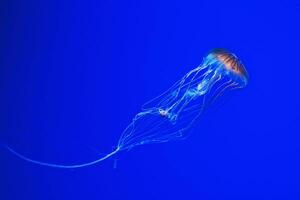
(170, 115)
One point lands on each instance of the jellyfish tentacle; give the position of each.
(59, 165)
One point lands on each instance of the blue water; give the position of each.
(74, 74)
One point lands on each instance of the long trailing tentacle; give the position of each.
(58, 165)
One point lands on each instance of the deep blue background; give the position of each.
(74, 73)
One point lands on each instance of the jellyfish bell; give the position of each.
(226, 73)
(228, 64)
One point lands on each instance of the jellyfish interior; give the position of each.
(171, 114)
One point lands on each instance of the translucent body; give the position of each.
(169, 116)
